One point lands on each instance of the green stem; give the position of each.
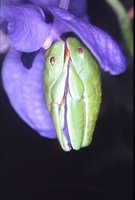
(125, 23)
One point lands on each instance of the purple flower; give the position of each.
(29, 27)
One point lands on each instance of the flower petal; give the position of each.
(4, 43)
(102, 46)
(44, 3)
(4, 2)
(25, 91)
(76, 7)
(26, 27)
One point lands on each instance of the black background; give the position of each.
(36, 168)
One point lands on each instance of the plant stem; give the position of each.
(125, 23)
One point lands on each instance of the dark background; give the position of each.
(36, 168)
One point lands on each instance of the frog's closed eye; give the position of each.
(52, 61)
(81, 52)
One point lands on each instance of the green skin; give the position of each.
(70, 63)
